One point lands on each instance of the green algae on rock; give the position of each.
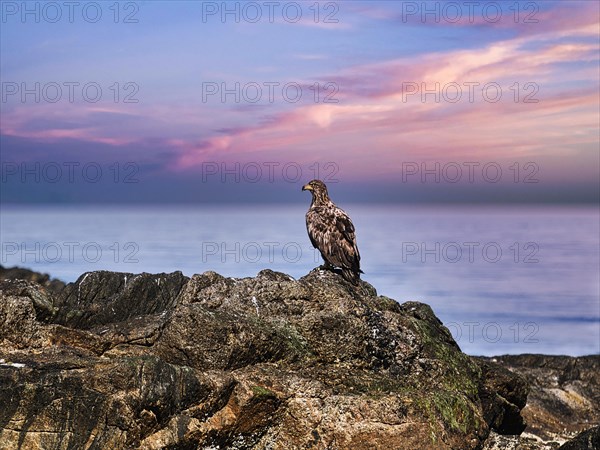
(159, 361)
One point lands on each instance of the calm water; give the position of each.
(503, 279)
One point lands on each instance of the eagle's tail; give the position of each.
(351, 276)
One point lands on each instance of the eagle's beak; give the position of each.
(306, 187)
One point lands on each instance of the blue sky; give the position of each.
(374, 59)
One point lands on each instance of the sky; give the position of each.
(398, 101)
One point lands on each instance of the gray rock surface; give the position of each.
(162, 361)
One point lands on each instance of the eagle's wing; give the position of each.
(317, 228)
(332, 232)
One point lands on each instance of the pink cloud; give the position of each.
(377, 124)
(56, 121)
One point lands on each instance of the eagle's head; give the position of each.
(318, 190)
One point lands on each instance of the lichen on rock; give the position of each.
(125, 361)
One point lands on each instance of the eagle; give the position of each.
(331, 231)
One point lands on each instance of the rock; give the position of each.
(99, 298)
(564, 397)
(504, 396)
(524, 441)
(39, 296)
(586, 440)
(19, 273)
(161, 361)
(19, 327)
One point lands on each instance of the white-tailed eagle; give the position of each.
(332, 232)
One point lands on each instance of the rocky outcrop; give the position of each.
(586, 440)
(564, 400)
(20, 273)
(164, 361)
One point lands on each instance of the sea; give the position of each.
(503, 279)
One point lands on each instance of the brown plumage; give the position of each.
(331, 231)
